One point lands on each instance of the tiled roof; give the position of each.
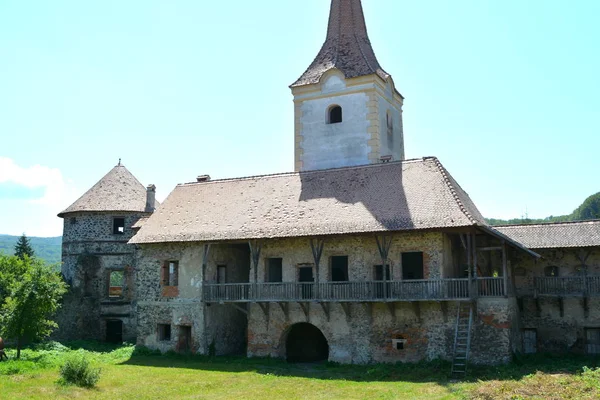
(118, 190)
(558, 235)
(397, 196)
(347, 46)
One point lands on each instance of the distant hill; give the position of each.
(589, 209)
(47, 249)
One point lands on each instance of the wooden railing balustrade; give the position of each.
(567, 286)
(366, 291)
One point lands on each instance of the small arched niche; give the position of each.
(334, 114)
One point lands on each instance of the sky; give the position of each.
(504, 93)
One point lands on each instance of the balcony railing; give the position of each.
(568, 286)
(413, 290)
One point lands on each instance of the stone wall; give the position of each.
(90, 252)
(560, 323)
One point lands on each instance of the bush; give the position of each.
(77, 371)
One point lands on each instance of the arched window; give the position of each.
(334, 116)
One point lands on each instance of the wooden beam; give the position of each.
(384, 242)
(285, 308)
(316, 245)
(497, 248)
(239, 308)
(255, 249)
(505, 269)
(347, 309)
(306, 309)
(326, 308)
(463, 241)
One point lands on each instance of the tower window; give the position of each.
(334, 116)
(118, 226)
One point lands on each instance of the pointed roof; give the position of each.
(347, 46)
(118, 190)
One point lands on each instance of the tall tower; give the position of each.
(347, 109)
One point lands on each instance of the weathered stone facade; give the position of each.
(91, 251)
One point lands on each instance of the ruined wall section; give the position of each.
(215, 328)
(560, 324)
(90, 252)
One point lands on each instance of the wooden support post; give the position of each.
(474, 247)
(285, 308)
(505, 270)
(383, 244)
(316, 245)
(347, 309)
(306, 309)
(469, 267)
(205, 254)
(325, 307)
(444, 308)
(417, 309)
(255, 249)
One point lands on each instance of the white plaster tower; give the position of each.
(347, 109)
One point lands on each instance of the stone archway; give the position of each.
(304, 342)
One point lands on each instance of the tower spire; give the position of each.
(347, 46)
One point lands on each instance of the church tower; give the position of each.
(347, 109)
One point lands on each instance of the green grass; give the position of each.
(128, 373)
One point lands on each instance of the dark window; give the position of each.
(379, 272)
(551, 271)
(118, 226)
(221, 274)
(115, 285)
(164, 332)
(114, 331)
(305, 276)
(592, 340)
(335, 115)
(412, 266)
(274, 270)
(339, 268)
(170, 273)
(530, 341)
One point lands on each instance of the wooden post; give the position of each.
(475, 275)
(469, 267)
(384, 245)
(316, 245)
(204, 267)
(505, 269)
(255, 249)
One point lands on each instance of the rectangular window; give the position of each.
(592, 340)
(118, 226)
(170, 273)
(339, 268)
(115, 286)
(221, 274)
(412, 266)
(164, 332)
(530, 341)
(184, 343)
(274, 270)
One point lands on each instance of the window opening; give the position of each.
(221, 274)
(118, 226)
(335, 115)
(274, 270)
(305, 276)
(114, 331)
(339, 268)
(170, 273)
(164, 332)
(530, 341)
(115, 286)
(412, 266)
(592, 336)
(184, 344)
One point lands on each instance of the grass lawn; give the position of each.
(131, 374)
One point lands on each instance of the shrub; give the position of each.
(77, 371)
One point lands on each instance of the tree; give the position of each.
(23, 248)
(31, 299)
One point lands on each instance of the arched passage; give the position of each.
(306, 343)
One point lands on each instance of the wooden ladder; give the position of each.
(462, 339)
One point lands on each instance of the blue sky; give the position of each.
(505, 93)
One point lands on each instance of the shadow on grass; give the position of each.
(433, 372)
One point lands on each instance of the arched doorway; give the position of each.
(306, 343)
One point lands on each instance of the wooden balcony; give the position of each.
(391, 291)
(567, 286)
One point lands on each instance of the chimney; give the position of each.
(203, 178)
(150, 198)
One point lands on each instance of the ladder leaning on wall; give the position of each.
(462, 339)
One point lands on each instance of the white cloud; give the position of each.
(36, 217)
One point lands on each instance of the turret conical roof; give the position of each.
(118, 190)
(347, 46)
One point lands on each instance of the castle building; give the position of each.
(358, 256)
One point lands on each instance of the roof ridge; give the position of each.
(314, 171)
(453, 191)
(585, 221)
